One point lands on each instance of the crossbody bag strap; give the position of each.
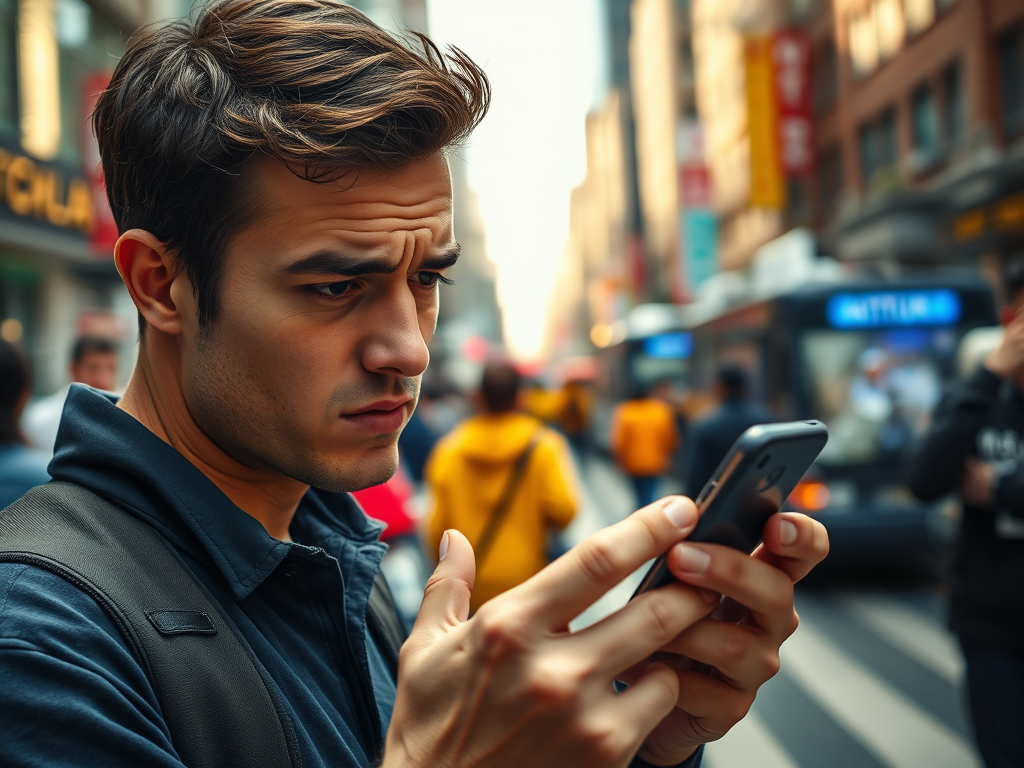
(218, 702)
(501, 509)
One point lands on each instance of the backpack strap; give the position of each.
(200, 666)
(490, 532)
(385, 625)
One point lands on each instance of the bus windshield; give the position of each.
(875, 389)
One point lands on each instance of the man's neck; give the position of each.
(154, 397)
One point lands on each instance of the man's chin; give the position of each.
(355, 476)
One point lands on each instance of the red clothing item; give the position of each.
(386, 503)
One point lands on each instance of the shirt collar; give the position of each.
(107, 450)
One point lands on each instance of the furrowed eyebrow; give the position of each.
(341, 264)
(442, 261)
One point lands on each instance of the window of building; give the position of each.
(1011, 79)
(877, 142)
(954, 113)
(920, 14)
(863, 42)
(8, 69)
(89, 45)
(829, 182)
(924, 123)
(825, 74)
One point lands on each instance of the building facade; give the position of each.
(920, 130)
(57, 276)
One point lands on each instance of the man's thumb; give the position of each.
(446, 597)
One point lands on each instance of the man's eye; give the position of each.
(430, 279)
(333, 290)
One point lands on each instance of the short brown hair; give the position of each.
(499, 387)
(312, 83)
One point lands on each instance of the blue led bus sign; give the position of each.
(893, 309)
(670, 346)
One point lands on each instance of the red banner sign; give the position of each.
(793, 102)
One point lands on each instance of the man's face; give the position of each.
(96, 369)
(326, 304)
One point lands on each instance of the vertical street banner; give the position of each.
(767, 184)
(104, 229)
(792, 59)
(698, 225)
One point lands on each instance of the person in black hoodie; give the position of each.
(975, 446)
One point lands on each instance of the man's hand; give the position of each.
(1007, 360)
(740, 641)
(513, 686)
(977, 486)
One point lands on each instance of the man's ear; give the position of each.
(148, 270)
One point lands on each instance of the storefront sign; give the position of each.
(669, 346)
(35, 191)
(893, 309)
(1006, 215)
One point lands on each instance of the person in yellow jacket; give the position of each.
(643, 439)
(475, 465)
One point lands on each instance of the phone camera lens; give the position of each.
(764, 461)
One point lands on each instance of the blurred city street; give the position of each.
(682, 242)
(872, 678)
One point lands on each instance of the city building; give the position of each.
(57, 276)
(920, 130)
(606, 267)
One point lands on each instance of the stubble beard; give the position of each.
(257, 436)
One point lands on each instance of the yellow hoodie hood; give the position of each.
(494, 438)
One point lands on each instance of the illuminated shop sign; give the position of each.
(33, 190)
(893, 309)
(672, 346)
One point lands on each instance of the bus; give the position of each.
(869, 358)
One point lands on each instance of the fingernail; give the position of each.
(787, 533)
(443, 549)
(691, 559)
(681, 514)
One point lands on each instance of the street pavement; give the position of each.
(872, 679)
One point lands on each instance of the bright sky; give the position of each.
(542, 57)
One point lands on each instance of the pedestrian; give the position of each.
(644, 437)
(975, 447)
(504, 480)
(277, 173)
(94, 362)
(712, 435)
(21, 468)
(575, 409)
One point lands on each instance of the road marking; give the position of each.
(748, 745)
(909, 630)
(885, 721)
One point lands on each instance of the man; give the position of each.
(643, 438)
(711, 437)
(276, 169)
(504, 472)
(94, 363)
(975, 446)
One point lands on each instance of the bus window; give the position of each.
(875, 389)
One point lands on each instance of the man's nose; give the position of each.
(396, 343)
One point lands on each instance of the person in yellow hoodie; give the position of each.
(505, 481)
(643, 439)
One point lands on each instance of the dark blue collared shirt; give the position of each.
(72, 694)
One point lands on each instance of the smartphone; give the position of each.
(750, 485)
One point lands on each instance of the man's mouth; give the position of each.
(378, 418)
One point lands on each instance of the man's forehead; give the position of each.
(428, 177)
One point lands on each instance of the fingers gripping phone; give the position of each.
(750, 485)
